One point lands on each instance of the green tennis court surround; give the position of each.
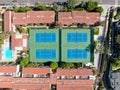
(67, 45)
(76, 45)
(44, 45)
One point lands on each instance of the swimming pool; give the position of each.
(7, 53)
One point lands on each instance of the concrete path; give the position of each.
(99, 39)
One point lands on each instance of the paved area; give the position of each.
(99, 39)
(100, 36)
(106, 8)
(7, 2)
(6, 44)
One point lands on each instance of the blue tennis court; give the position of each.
(45, 53)
(76, 53)
(76, 37)
(45, 37)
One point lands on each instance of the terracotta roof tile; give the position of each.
(45, 83)
(19, 18)
(5, 82)
(74, 72)
(31, 86)
(40, 16)
(75, 84)
(35, 70)
(7, 21)
(19, 41)
(31, 83)
(74, 87)
(30, 17)
(8, 69)
(78, 17)
(65, 18)
(53, 79)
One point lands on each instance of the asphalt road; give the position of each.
(111, 2)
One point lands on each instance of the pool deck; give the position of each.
(2, 59)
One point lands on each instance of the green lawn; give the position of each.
(96, 31)
(0, 26)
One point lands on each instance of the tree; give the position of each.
(99, 9)
(82, 4)
(118, 39)
(20, 29)
(24, 62)
(34, 64)
(101, 48)
(91, 5)
(67, 65)
(40, 7)
(65, 9)
(71, 4)
(22, 9)
(78, 65)
(54, 65)
(15, 9)
(116, 63)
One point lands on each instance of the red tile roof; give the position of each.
(53, 79)
(40, 16)
(25, 83)
(45, 83)
(31, 86)
(7, 21)
(8, 69)
(75, 82)
(19, 41)
(19, 18)
(30, 17)
(74, 72)
(5, 82)
(35, 70)
(67, 18)
(75, 85)
(31, 83)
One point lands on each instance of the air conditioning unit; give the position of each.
(62, 77)
(92, 77)
(77, 77)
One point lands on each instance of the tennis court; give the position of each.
(67, 45)
(45, 53)
(76, 53)
(77, 37)
(43, 45)
(45, 37)
(76, 45)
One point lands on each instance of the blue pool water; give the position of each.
(7, 53)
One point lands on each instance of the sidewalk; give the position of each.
(99, 39)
